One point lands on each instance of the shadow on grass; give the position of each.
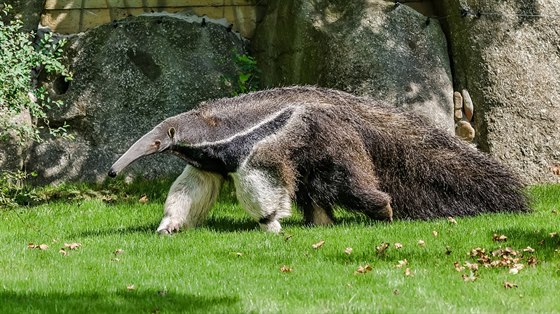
(147, 228)
(225, 224)
(119, 302)
(233, 224)
(229, 224)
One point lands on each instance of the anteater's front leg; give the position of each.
(190, 198)
(263, 195)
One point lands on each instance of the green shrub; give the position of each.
(21, 63)
(13, 191)
(247, 79)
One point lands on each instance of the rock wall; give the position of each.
(129, 76)
(373, 48)
(507, 55)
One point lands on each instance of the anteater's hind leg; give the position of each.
(351, 183)
(190, 198)
(373, 203)
(313, 213)
(318, 215)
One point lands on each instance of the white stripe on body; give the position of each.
(242, 133)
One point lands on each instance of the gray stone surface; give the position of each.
(369, 48)
(128, 77)
(509, 60)
(13, 150)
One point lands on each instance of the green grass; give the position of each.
(200, 270)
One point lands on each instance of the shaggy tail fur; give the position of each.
(432, 174)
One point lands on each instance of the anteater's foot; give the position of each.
(168, 226)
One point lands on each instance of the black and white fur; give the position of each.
(321, 148)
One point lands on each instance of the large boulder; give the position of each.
(375, 48)
(506, 54)
(129, 76)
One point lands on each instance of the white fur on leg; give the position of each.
(262, 196)
(190, 198)
(273, 226)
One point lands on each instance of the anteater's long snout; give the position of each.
(145, 146)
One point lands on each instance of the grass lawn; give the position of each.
(230, 266)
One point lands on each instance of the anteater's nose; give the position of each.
(112, 173)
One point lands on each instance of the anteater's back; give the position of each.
(426, 171)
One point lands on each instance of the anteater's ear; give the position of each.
(171, 133)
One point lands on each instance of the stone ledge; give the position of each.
(76, 16)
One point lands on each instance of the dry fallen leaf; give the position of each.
(499, 238)
(509, 285)
(452, 220)
(519, 266)
(471, 266)
(421, 243)
(478, 252)
(63, 252)
(398, 245)
(408, 272)
(458, 266)
(532, 261)
(118, 251)
(41, 247)
(529, 249)
(285, 269)
(348, 250)
(381, 248)
(434, 233)
(401, 263)
(72, 246)
(143, 199)
(553, 234)
(239, 254)
(318, 244)
(470, 277)
(130, 287)
(364, 269)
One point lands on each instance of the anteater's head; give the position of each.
(160, 139)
